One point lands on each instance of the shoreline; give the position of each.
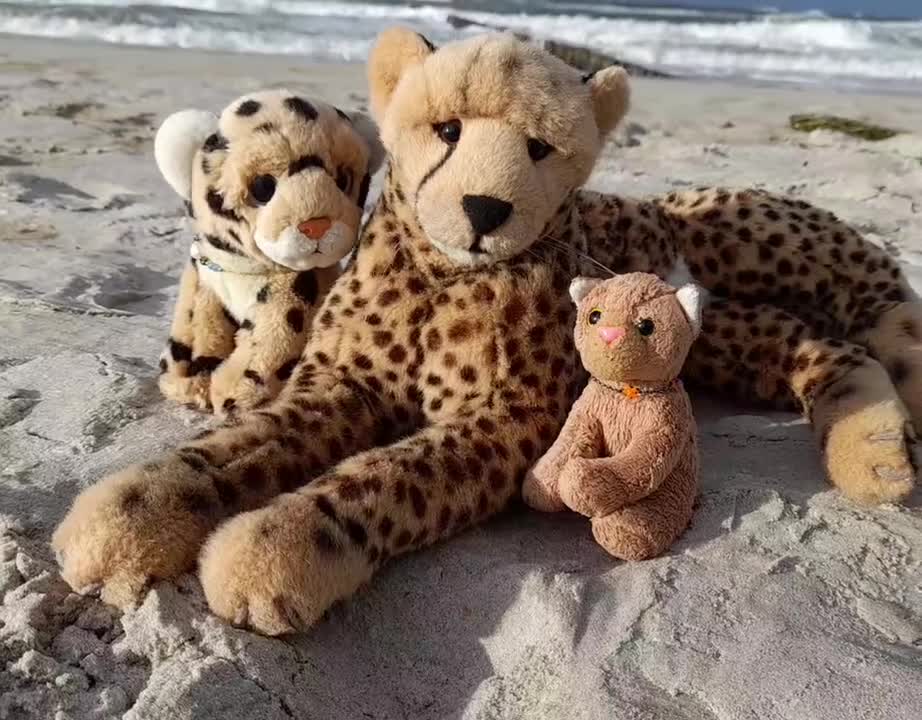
(866, 88)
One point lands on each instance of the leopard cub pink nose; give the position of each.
(611, 335)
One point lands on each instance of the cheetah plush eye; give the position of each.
(538, 149)
(343, 179)
(646, 327)
(449, 132)
(262, 188)
(595, 316)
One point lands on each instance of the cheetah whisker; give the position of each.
(560, 245)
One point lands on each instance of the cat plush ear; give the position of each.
(395, 50)
(611, 95)
(180, 136)
(581, 287)
(692, 298)
(366, 127)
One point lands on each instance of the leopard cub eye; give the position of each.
(449, 132)
(646, 327)
(262, 188)
(595, 316)
(344, 179)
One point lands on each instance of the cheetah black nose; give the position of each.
(485, 213)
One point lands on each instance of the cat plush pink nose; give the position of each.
(611, 335)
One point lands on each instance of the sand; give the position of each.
(781, 601)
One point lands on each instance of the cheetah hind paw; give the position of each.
(866, 444)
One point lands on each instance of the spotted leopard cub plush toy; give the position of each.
(275, 187)
(627, 456)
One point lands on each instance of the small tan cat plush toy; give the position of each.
(627, 456)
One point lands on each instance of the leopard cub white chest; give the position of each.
(238, 292)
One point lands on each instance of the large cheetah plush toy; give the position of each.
(441, 364)
(275, 187)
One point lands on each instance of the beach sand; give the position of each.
(781, 601)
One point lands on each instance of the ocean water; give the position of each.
(806, 48)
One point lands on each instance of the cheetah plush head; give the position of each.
(488, 136)
(277, 181)
(635, 328)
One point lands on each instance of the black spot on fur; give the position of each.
(356, 532)
(246, 324)
(899, 371)
(231, 320)
(204, 365)
(363, 190)
(284, 372)
(215, 141)
(180, 352)
(325, 541)
(326, 507)
(266, 127)
(305, 287)
(302, 107)
(248, 108)
(263, 294)
(304, 162)
(227, 493)
(132, 499)
(163, 365)
(254, 376)
(215, 201)
(295, 319)
(193, 460)
(229, 404)
(222, 244)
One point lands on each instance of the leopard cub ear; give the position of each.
(180, 136)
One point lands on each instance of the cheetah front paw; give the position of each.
(193, 390)
(278, 569)
(867, 456)
(141, 524)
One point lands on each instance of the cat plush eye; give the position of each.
(538, 149)
(595, 316)
(646, 327)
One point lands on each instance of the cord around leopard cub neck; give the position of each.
(233, 265)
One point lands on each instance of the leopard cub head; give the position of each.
(277, 180)
(635, 328)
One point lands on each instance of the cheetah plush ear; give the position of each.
(581, 287)
(176, 143)
(395, 50)
(366, 127)
(692, 298)
(611, 95)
